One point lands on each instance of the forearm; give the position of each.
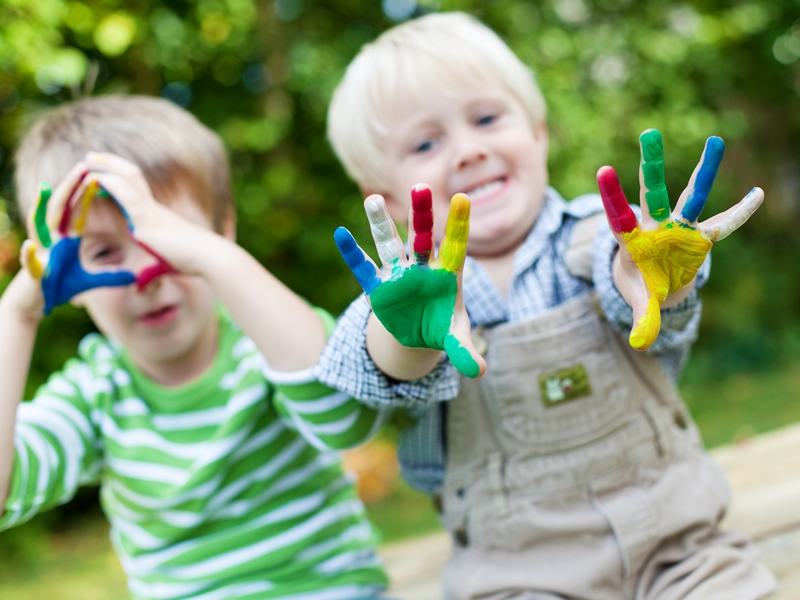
(328, 419)
(395, 360)
(17, 338)
(283, 326)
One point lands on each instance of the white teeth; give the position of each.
(485, 189)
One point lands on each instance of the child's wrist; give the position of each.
(23, 300)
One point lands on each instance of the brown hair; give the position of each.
(172, 148)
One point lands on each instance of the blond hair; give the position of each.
(175, 152)
(438, 53)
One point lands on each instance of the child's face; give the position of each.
(480, 143)
(168, 320)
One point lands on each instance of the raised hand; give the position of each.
(123, 182)
(53, 256)
(417, 298)
(661, 255)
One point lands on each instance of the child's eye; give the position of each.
(425, 146)
(105, 255)
(486, 119)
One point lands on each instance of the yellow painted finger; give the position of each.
(454, 244)
(32, 263)
(668, 258)
(87, 198)
(646, 330)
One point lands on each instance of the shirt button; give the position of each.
(461, 537)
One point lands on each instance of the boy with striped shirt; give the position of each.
(194, 408)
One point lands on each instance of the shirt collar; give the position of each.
(550, 219)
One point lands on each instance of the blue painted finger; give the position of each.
(104, 193)
(66, 278)
(354, 257)
(704, 180)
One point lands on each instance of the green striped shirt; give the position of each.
(225, 487)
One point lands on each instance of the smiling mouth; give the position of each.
(485, 190)
(160, 316)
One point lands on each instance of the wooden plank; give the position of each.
(764, 475)
(781, 555)
(414, 566)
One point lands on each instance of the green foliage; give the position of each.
(260, 73)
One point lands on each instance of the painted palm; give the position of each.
(53, 256)
(417, 297)
(665, 250)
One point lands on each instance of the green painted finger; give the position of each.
(40, 216)
(460, 357)
(454, 245)
(653, 173)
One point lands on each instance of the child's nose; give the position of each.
(148, 268)
(469, 150)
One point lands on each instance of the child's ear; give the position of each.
(540, 132)
(229, 226)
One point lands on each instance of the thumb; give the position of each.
(107, 279)
(30, 261)
(464, 356)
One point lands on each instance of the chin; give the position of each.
(498, 239)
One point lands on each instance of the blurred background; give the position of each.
(260, 73)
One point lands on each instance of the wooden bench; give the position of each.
(764, 474)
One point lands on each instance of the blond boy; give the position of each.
(571, 469)
(186, 407)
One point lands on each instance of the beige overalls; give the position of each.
(575, 471)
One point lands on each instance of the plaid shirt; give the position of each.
(540, 282)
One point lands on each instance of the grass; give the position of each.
(78, 563)
(743, 405)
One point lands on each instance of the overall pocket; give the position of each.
(552, 391)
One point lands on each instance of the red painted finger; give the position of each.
(620, 216)
(66, 215)
(422, 218)
(148, 274)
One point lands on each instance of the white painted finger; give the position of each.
(387, 241)
(722, 225)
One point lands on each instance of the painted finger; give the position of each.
(84, 197)
(148, 274)
(108, 186)
(647, 324)
(722, 225)
(621, 218)
(454, 245)
(40, 215)
(654, 189)
(106, 162)
(387, 240)
(464, 356)
(58, 215)
(363, 268)
(66, 278)
(702, 180)
(108, 279)
(422, 222)
(30, 260)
